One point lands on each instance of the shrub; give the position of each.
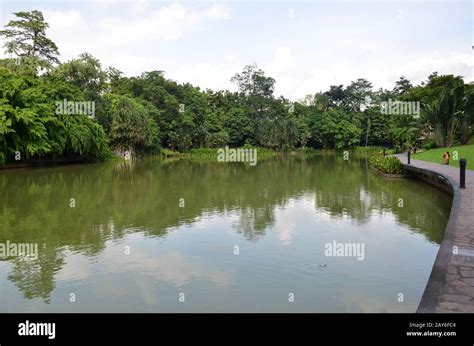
(367, 151)
(168, 153)
(306, 150)
(428, 144)
(388, 164)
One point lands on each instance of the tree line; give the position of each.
(147, 113)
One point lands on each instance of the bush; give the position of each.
(390, 151)
(217, 139)
(388, 164)
(367, 151)
(306, 150)
(428, 144)
(203, 154)
(210, 154)
(168, 153)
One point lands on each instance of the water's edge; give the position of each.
(437, 277)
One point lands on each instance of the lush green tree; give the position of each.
(74, 134)
(31, 127)
(358, 95)
(333, 129)
(336, 95)
(85, 73)
(26, 37)
(301, 115)
(467, 114)
(321, 102)
(443, 107)
(402, 86)
(132, 129)
(403, 130)
(375, 128)
(277, 133)
(260, 106)
(253, 82)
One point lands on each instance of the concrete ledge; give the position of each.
(437, 279)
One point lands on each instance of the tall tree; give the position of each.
(443, 107)
(467, 116)
(86, 73)
(359, 95)
(336, 95)
(402, 86)
(26, 37)
(259, 102)
(132, 128)
(253, 82)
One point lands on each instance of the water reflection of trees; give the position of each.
(35, 277)
(113, 200)
(253, 222)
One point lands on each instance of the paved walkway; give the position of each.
(450, 287)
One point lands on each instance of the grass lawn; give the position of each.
(436, 155)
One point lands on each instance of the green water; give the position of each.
(187, 236)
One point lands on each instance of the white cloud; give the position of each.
(381, 73)
(168, 23)
(215, 76)
(135, 65)
(205, 44)
(71, 32)
(130, 44)
(451, 63)
(283, 59)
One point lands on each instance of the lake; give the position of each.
(190, 236)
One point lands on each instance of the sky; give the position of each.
(305, 45)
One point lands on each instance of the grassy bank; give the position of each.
(436, 155)
(211, 154)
